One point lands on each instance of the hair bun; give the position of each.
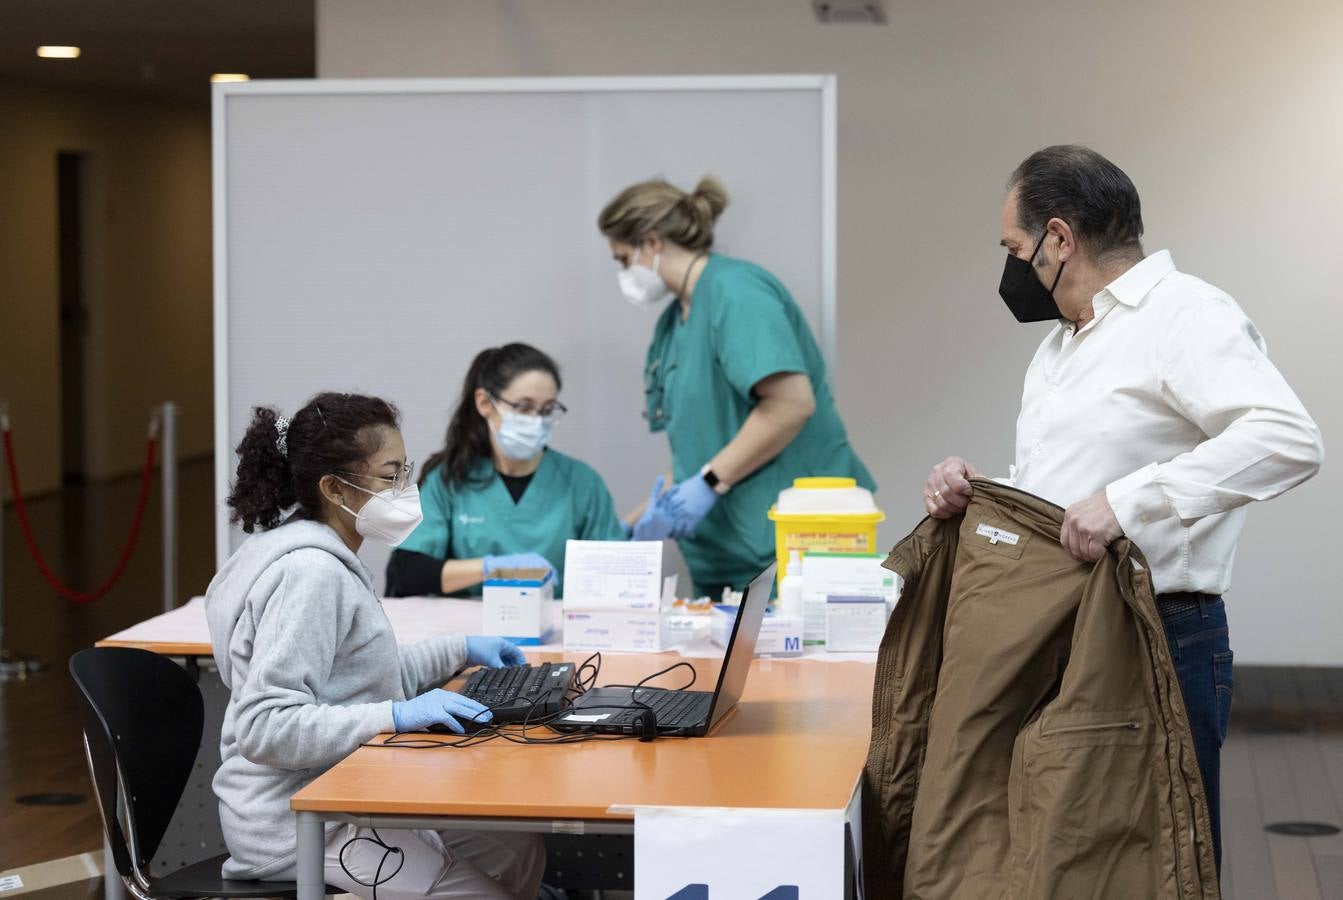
(660, 208)
(710, 198)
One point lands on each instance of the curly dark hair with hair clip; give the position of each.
(331, 433)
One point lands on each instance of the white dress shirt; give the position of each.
(1167, 401)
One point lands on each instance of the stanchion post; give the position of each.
(12, 665)
(168, 422)
(4, 426)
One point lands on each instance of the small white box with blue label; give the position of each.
(779, 635)
(519, 604)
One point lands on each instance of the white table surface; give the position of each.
(413, 619)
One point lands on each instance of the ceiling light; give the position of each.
(849, 12)
(58, 52)
(229, 77)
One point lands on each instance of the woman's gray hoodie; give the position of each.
(312, 667)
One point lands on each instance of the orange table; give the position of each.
(797, 740)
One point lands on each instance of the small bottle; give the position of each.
(790, 588)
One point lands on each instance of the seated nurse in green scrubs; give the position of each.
(495, 497)
(733, 376)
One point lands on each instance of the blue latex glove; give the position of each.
(516, 561)
(656, 524)
(689, 502)
(495, 652)
(438, 707)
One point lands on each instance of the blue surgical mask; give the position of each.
(522, 437)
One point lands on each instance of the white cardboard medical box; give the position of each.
(779, 635)
(613, 596)
(854, 624)
(638, 631)
(826, 575)
(519, 604)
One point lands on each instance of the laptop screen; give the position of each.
(741, 646)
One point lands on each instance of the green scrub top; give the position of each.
(566, 500)
(743, 327)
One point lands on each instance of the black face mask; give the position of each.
(1024, 293)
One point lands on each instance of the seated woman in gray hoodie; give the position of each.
(312, 664)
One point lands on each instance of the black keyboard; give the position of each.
(673, 708)
(518, 693)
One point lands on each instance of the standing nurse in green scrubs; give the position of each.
(495, 497)
(733, 376)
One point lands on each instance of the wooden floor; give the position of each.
(81, 531)
(1282, 763)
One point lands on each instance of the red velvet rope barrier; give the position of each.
(60, 588)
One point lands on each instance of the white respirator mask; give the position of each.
(643, 287)
(388, 517)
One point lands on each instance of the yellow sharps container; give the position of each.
(824, 515)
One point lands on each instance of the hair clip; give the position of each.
(282, 432)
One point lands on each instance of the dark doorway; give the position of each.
(74, 313)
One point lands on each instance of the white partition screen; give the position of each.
(373, 236)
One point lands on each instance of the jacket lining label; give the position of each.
(997, 535)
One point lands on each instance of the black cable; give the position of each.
(488, 732)
(387, 850)
(518, 732)
(580, 686)
(672, 668)
(638, 704)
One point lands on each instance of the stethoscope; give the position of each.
(655, 376)
(655, 392)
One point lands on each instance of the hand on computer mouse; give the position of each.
(438, 707)
(495, 652)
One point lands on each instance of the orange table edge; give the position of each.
(163, 648)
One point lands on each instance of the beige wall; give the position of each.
(1224, 113)
(148, 269)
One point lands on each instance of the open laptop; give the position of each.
(613, 710)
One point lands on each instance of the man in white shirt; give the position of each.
(1151, 410)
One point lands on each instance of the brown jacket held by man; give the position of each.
(1029, 739)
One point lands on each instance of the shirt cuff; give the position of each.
(1137, 499)
(384, 719)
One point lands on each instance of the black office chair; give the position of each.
(143, 717)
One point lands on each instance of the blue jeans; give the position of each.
(1201, 647)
